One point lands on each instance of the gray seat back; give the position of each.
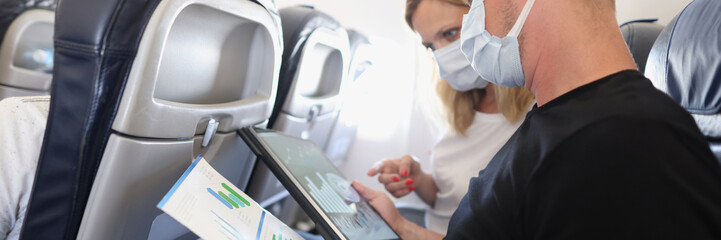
(344, 128)
(26, 54)
(640, 36)
(204, 69)
(316, 59)
(685, 62)
(313, 95)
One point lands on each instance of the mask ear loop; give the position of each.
(471, 18)
(516, 30)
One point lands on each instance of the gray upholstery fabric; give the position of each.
(11, 9)
(640, 36)
(685, 62)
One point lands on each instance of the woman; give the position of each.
(482, 117)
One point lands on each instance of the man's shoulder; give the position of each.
(619, 166)
(25, 100)
(628, 96)
(633, 130)
(631, 92)
(609, 109)
(22, 125)
(637, 101)
(639, 143)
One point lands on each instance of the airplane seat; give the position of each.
(26, 47)
(140, 89)
(640, 36)
(315, 64)
(685, 62)
(344, 128)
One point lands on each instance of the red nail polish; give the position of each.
(404, 173)
(409, 181)
(395, 178)
(411, 188)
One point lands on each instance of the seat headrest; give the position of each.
(356, 39)
(9, 10)
(640, 36)
(299, 23)
(685, 62)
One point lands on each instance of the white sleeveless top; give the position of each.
(456, 159)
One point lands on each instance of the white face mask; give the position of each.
(497, 60)
(456, 70)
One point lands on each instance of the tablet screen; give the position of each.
(334, 195)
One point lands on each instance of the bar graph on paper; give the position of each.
(231, 199)
(211, 207)
(272, 230)
(279, 235)
(226, 228)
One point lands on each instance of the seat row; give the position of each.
(140, 88)
(683, 59)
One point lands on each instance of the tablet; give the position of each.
(316, 184)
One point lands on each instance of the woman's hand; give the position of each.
(398, 174)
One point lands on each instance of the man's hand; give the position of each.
(383, 204)
(398, 174)
(388, 211)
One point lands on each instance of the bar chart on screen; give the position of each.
(327, 194)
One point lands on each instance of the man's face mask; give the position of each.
(495, 59)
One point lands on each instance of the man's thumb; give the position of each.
(364, 191)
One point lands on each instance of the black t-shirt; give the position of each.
(614, 159)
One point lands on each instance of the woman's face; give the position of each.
(438, 22)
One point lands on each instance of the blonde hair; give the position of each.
(412, 5)
(460, 107)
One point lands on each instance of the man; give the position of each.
(604, 155)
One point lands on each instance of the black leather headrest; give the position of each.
(11, 9)
(298, 23)
(685, 61)
(640, 36)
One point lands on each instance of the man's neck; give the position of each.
(574, 54)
